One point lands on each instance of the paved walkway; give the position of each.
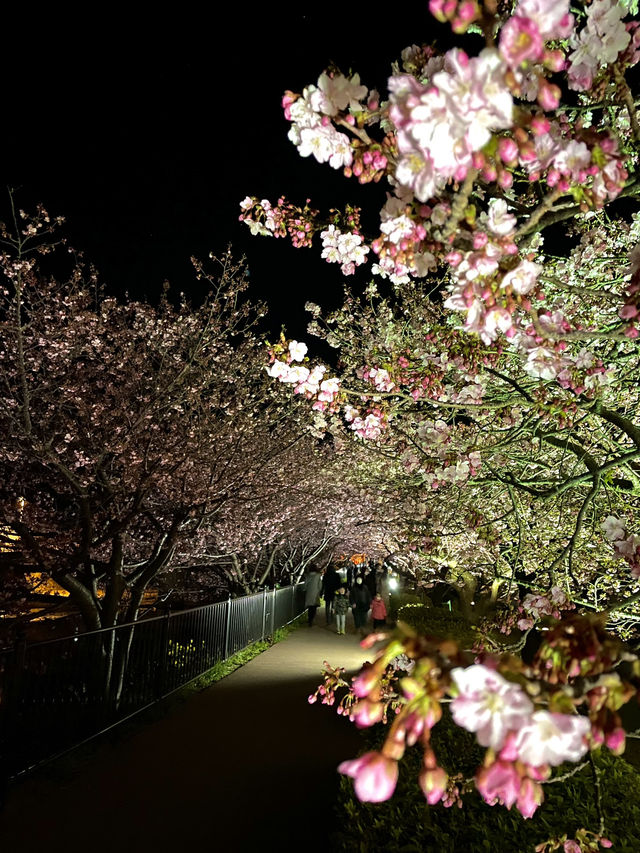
(245, 765)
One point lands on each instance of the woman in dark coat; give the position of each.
(330, 584)
(360, 602)
(370, 581)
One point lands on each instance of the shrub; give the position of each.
(439, 622)
(398, 600)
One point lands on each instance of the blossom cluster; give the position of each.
(525, 720)
(459, 130)
(306, 381)
(369, 427)
(280, 220)
(442, 123)
(599, 43)
(535, 606)
(310, 383)
(406, 245)
(627, 545)
(526, 742)
(311, 130)
(346, 249)
(584, 842)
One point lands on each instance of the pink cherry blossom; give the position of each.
(551, 17)
(523, 278)
(498, 220)
(441, 124)
(326, 144)
(500, 782)
(598, 43)
(613, 528)
(505, 783)
(278, 370)
(381, 379)
(520, 41)
(366, 713)
(433, 783)
(375, 776)
(345, 248)
(530, 797)
(365, 681)
(368, 428)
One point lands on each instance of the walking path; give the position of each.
(245, 765)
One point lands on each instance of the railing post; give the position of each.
(273, 611)
(227, 629)
(293, 602)
(264, 610)
(164, 652)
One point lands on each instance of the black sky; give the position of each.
(146, 132)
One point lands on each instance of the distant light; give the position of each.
(393, 583)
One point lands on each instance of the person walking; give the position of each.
(370, 580)
(312, 589)
(360, 602)
(341, 606)
(385, 587)
(330, 583)
(378, 612)
(350, 573)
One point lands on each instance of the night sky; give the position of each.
(146, 134)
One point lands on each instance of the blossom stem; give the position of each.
(362, 135)
(567, 775)
(623, 88)
(596, 782)
(459, 205)
(538, 213)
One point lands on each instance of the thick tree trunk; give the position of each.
(466, 593)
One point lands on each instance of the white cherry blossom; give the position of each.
(550, 738)
(488, 704)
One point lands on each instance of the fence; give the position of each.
(59, 693)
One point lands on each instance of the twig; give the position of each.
(568, 775)
(362, 134)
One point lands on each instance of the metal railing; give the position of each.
(59, 693)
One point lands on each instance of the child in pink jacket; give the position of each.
(378, 612)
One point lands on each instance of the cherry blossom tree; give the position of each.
(127, 429)
(318, 500)
(495, 358)
(538, 366)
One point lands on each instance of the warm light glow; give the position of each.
(42, 585)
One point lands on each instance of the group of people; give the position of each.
(364, 589)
